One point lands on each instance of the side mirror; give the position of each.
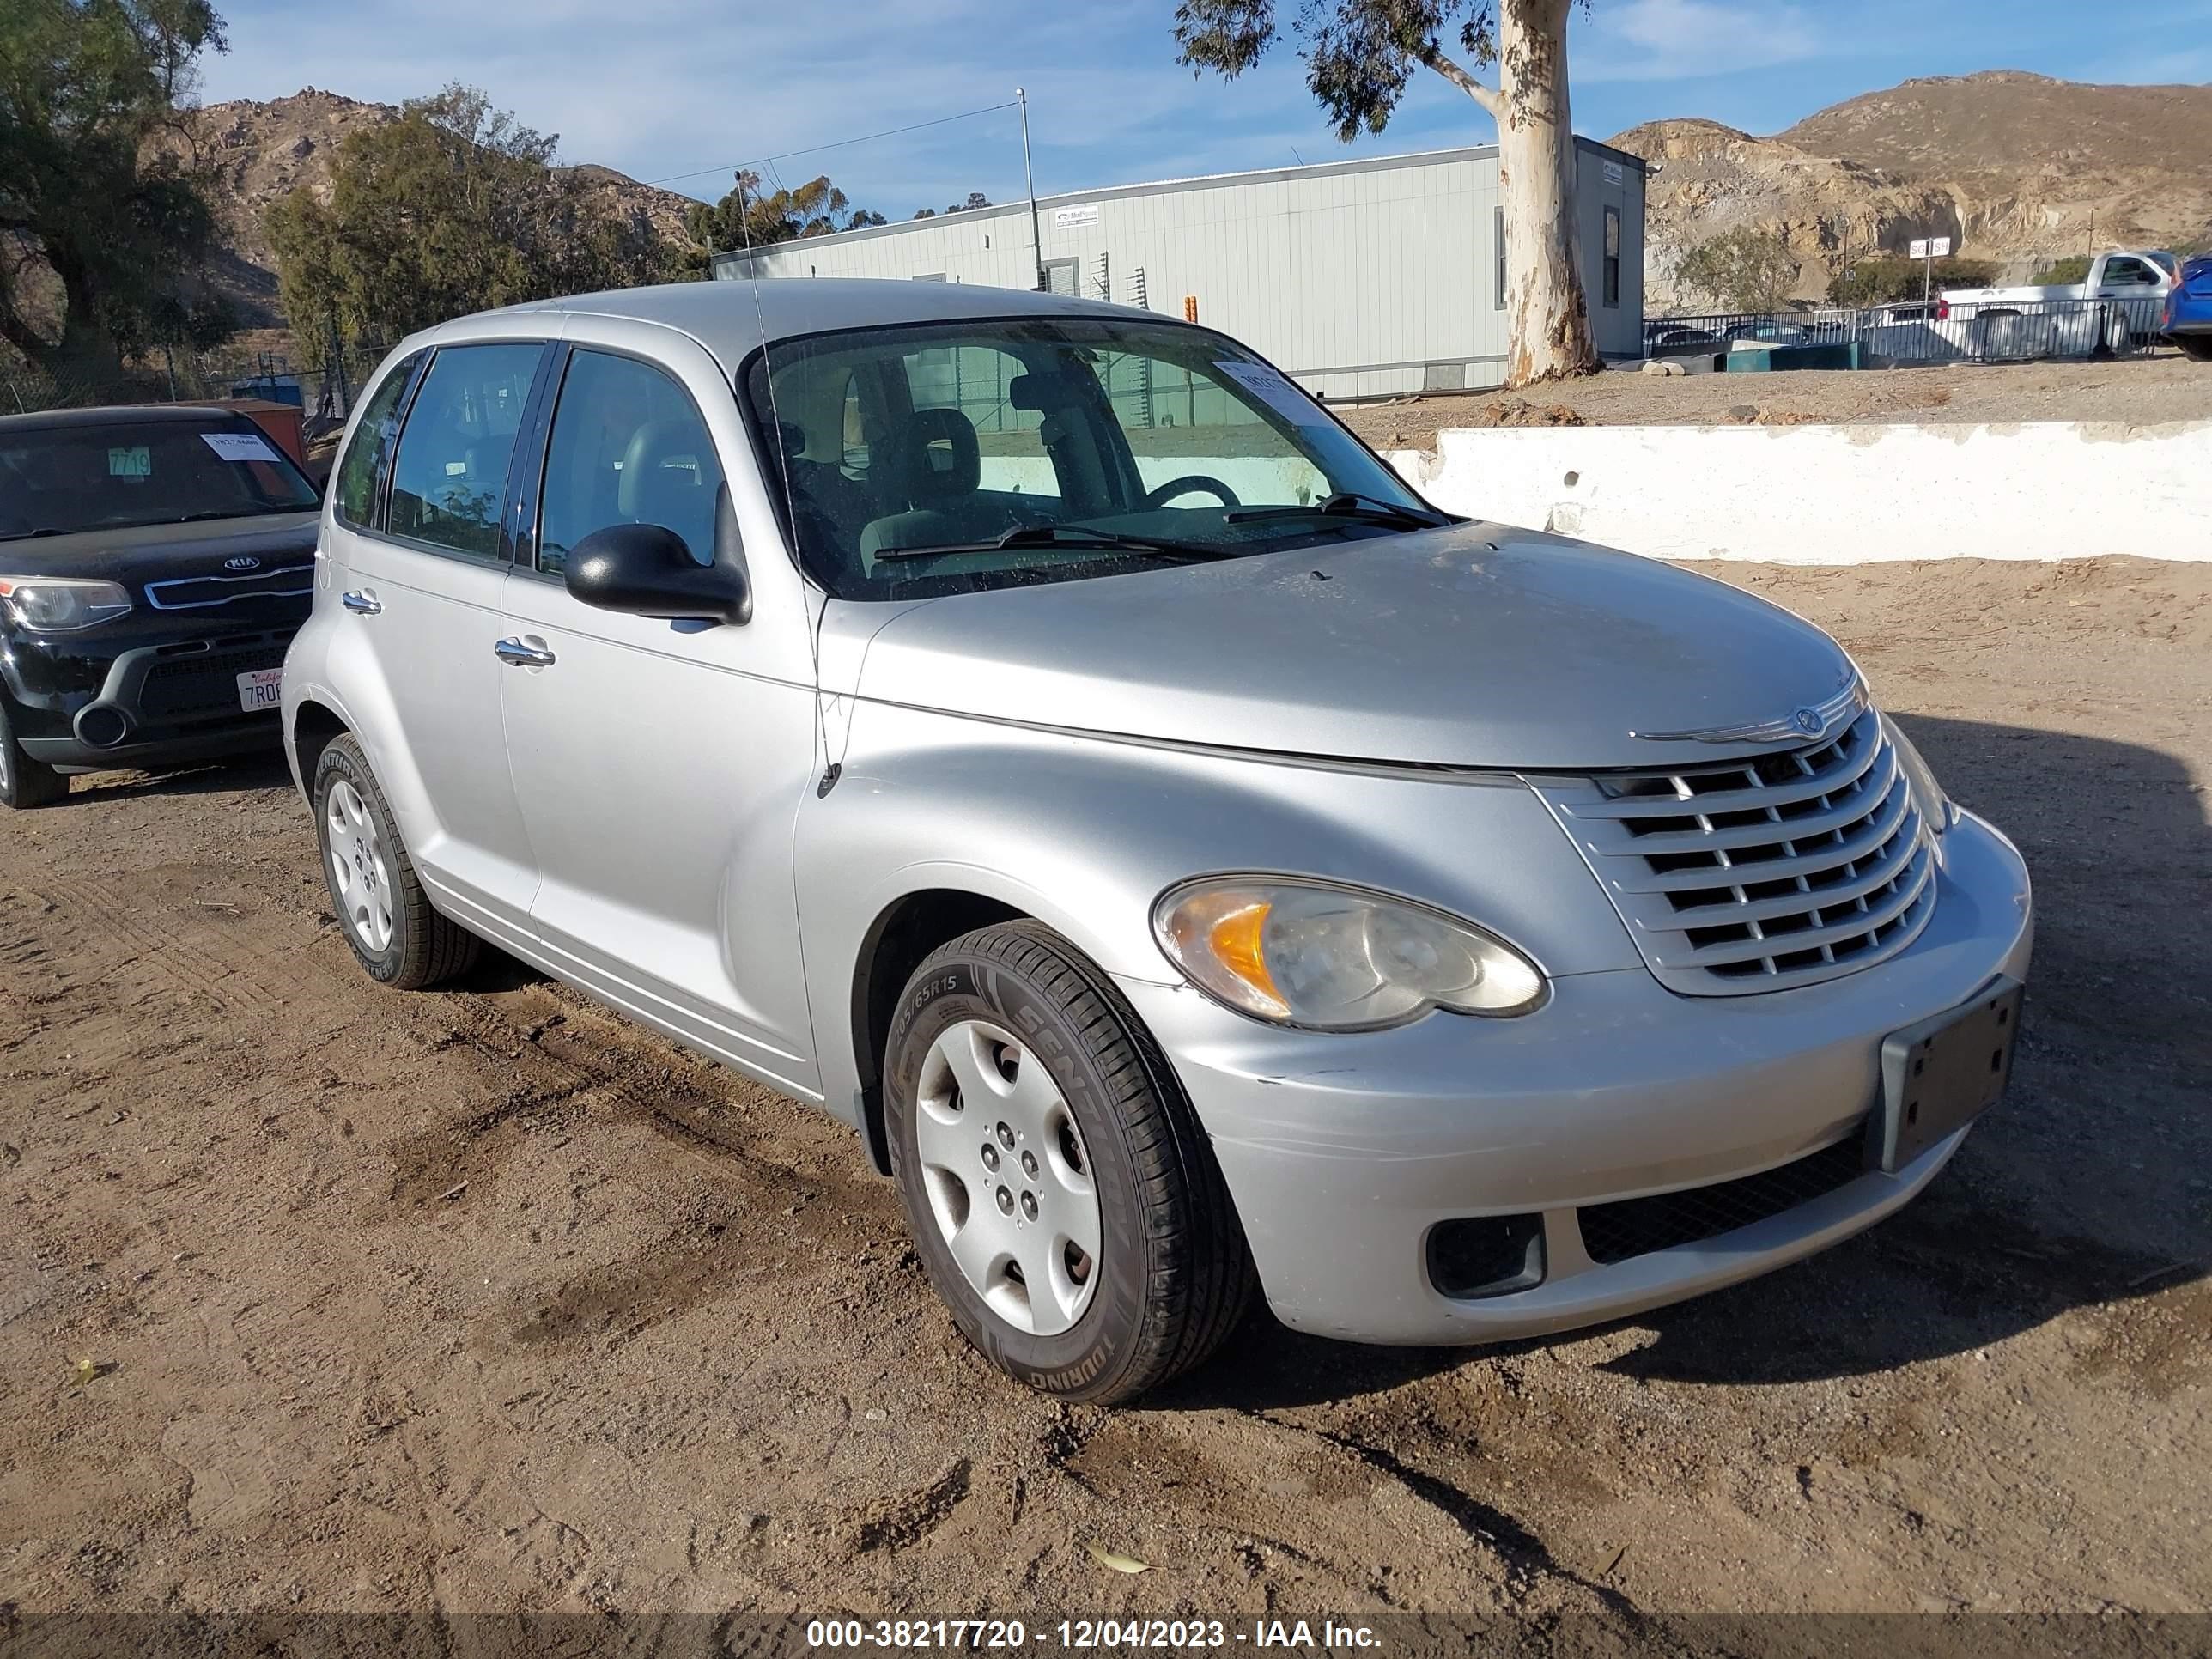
(646, 571)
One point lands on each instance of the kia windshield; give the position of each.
(943, 458)
(59, 480)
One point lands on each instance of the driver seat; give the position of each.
(941, 463)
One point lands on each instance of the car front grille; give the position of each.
(289, 582)
(1637, 1226)
(1756, 875)
(201, 678)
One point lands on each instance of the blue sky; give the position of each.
(659, 88)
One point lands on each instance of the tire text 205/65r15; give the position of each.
(1061, 1195)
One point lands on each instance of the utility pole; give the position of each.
(1028, 173)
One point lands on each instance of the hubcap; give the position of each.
(359, 874)
(1008, 1177)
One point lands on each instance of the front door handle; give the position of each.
(360, 604)
(515, 655)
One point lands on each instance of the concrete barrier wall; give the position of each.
(1840, 495)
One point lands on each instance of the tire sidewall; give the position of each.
(1085, 1358)
(339, 762)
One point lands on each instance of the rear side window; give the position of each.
(355, 491)
(449, 473)
(627, 446)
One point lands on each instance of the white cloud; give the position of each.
(1683, 40)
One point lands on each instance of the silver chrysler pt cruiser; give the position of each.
(1038, 733)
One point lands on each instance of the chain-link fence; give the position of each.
(1934, 330)
(323, 389)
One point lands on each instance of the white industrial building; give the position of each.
(1365, 278)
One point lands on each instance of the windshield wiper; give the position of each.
(1364, 509)
(1058, 535)
(262, 512)
(29, 535)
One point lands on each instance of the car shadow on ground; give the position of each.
(2088, 1184)
(255, 771)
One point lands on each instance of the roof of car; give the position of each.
(731, 317)
(115, 414)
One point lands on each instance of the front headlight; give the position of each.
(1927, 794)
(1336, 959)
(61, 605)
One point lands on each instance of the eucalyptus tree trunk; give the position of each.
(1546, 314)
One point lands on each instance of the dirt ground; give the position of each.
(484, 1300)
(2166, 386)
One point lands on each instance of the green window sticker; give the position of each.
(134, 462)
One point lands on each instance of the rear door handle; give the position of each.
(515, 655)
(360, 604)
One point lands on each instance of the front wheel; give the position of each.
(1062, 1196)
(381, 906)
(25, 782)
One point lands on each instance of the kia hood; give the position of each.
(1475, 645)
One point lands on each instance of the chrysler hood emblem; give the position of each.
(1812, 722)
(242, 561)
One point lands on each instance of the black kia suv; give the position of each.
(155, 563)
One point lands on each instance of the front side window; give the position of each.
(627, 447)
(355, 489)
(449, 473)
(1022, 450)
(117, 475)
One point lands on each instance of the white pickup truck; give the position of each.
(2129, 285)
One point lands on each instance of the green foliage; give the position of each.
(975, 199)
(455, 207)
(2061, 273)
(1742, 270)
(750, 217)
(1359, 54)
(105, 225)
(1887, 279)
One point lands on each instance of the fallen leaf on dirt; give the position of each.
(1106, 1557)
(454, 1191)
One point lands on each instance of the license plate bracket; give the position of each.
(1941, 1074)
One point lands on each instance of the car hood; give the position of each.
(158, 552)
(1478, 646)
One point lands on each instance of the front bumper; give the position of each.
(140, 701)
(1343, 1152)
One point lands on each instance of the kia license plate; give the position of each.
(261, 688)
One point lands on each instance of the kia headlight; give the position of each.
(1927, 794)
(1333, 958)
(61, 605)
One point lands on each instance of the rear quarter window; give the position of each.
(353, 491)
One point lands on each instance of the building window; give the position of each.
(1498, 235)
(1612, 257)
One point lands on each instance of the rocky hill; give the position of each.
(265, 150)
(2017, 168)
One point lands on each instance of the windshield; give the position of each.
(948, 457)
(57, 480)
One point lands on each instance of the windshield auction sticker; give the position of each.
(134, 461)
(239, 445)
(1275, 390)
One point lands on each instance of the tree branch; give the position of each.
(1492, 101)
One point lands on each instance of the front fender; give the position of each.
(1084, 834)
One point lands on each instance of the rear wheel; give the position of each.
(2199, 346)
(24, 782)
(381, 907)
(1063, 1198)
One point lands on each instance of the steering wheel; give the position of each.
(1190, 480)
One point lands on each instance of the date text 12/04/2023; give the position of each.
(1083, 1634)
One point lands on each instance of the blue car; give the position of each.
(2188, 321)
